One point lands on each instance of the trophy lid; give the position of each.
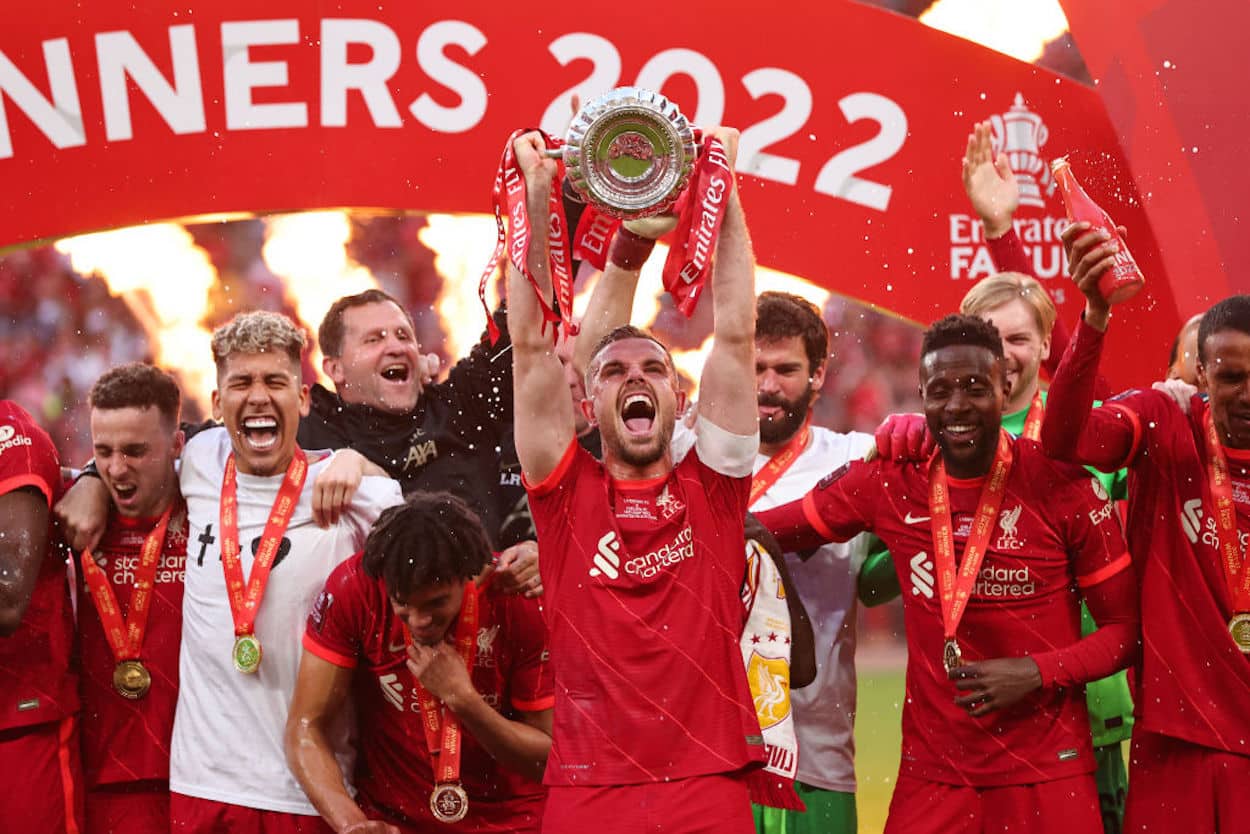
(630, 151)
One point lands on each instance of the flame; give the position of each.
(1020, 29)
(461, 245)
(164, 278)
(309, 252)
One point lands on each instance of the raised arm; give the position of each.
(1108, 437)
(727, 387)
(543, 411)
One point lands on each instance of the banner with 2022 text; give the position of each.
(853, 123)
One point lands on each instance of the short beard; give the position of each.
(794, 414)
(645, 457)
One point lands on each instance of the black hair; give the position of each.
(1233, 313)
(958, 329)
(136, 385)
(432, 537)
(780, 315)
(332, 330)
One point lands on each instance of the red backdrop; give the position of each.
(1172, 75)
(853, 121)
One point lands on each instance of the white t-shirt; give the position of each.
(824, 710)
(228, 728)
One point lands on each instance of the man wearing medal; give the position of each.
(642, 559)
(1187, 513)
(255, 563)
(995, 729)
(450, 675)
(130, 622)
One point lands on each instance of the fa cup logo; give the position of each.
(1020, 134)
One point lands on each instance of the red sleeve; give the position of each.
(836, 509)
(1007, 252)
(1104, 574)
(27, 456)
(1110, 647)
(1108, 437)
(531, 682)
(338, 623)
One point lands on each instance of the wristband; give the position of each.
(88, 471)
(629, 251)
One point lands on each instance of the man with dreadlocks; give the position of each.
(450, 678)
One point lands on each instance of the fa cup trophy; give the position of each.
(629, 152)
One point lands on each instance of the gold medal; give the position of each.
(246, 653)
(952, 657)
(1239, 627)
(131, 679)
(449, 803)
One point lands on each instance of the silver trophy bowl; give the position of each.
(630, 152)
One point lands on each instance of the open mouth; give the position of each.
(260, 433)
(399, 372)
(638, 414)
(125, 492)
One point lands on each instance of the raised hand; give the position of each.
(989, 183)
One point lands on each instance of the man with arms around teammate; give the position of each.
(995, 730)
(256, 564)
(130, 609)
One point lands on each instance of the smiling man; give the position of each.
(408, 632)
(1189, 505)
(428, 437)
(643, 560)
(256, 562)
(990, 537)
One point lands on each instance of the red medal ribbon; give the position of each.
(690, 261)
(245, 602)
(778, 464)
(1033, 420)
(1235, 575)
(514, 234)
(594, 236)
(957, 589)
(442, 728)
(125, 637)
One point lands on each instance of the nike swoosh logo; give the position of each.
(915, 519)
(395, 648)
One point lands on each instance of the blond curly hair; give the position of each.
(258, 332)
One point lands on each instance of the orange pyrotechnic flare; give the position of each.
(164, 278)
(309, 252)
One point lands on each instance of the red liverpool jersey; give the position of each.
(642, 595)
(125, 740)
(1195, 683)
(352, 625)
(38, 680)
(1056, 532)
